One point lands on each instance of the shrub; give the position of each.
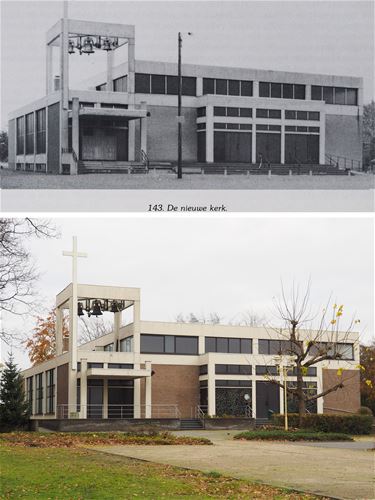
(280, 435)
(349, 424)
(365, 410)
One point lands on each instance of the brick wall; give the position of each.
(162, 134)
(344, 136)
(175, 385)
(347, 398)
(62, 385)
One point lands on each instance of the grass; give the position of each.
(282, 435)
(77, 439)
(79, 474)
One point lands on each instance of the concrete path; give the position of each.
(335, 471)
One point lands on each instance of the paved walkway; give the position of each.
(338, 472)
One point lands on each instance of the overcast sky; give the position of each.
(221, 264)
(334, 37)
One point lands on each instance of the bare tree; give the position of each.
(312, 345)
(18, 272)
(248, 318)
(93, 328)
(212, 318)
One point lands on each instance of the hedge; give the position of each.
(281, 435)
(348, 424)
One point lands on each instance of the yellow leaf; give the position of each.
(339, 372)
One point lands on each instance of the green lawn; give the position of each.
(77, 473)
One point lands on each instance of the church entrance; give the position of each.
(103, 139)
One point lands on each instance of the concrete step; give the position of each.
(190, 424)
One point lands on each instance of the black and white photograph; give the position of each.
(275, 97)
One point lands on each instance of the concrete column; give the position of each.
(144, 135)
(33, 404)
(322, 138)
(105, 398)
(308, 93)
(148, 397)
(209, 134)
(73, 353)
(64, 87)
(34, 119)
(319, 388)
(59, 331)
(131, 72)
(83, 400)
(255, 89)
(211, 388)
(199, 86)
(72, 398)
(253, 144)
(282, 136)
(110, 70)
(116, 331)
(201, 345)
(49, 54)
(131, 140)
(75, 133)
(137, 398)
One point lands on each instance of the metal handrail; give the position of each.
(349, 163)
(145, 159)
(117, 410)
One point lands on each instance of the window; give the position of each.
(246, 112)
(262, 113)
(157, 84)
(142, 83)
(268, 113)
(246, 88)
(290, 115)
(203, 370)
(314, 115)
(50, 374)
(94, 365)
(201, 126)
(101, 88)
(172, 85)
(301, 115)
(21, 135)
(328, 95)
(219, 125)
(169, 344)
(299, 91)
(316, 93)
(334, 350)
(208, 86)
(311, 372)
(126, 345)
(29, 393)
(275, 346)
(219, 111)
(339, 95)
(109, 347)
(265, 370)
(228, 345)
(189, 85)
(39, 394)
(201, 112)
(122, 366)
(232, 383)
(232, 111)
(287, 91)
(233, 87)
(233, 369)
(221, 86)
(351, 97)
(41, 131)
(275, 89)
(121, 84)
(264, 89)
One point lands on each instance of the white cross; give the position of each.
(74, 254)
(74, 302)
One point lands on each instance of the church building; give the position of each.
(127, 116)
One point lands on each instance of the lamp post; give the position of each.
(179, 115)
(283, 372)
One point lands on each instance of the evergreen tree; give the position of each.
(14, 409)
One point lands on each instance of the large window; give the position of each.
(30, 134)
(164, 84)
(29, 393)
(302, 115)
(282, 90)
(233, 369)
(228, 345)
(269, 113)
(41, 131)
(335, 350)
(227, 87)
(241, 112)
(121, 84)
(50, 386)
(266, 346)
(169, 344)
(39, 394)
(335, 95)
(266, 370)
(126, 345)
(21, 135)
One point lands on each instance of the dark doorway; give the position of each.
(120, 399)
(103, 139)
(232, 147)
(269, 147)
(301, 148)
(231, 401)
(95, 398)
(201, 155)
(268, 399)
